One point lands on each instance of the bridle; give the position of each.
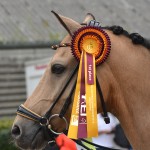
(45, 120)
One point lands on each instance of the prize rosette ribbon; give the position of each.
(91, 46)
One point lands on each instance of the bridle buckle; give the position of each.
(44, 121)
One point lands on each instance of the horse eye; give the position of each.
(58, 68)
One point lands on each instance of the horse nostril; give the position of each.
(15, 131)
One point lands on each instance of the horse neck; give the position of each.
(130, 67)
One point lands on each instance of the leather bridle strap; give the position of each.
(67, 102)
(48, 113)
(27, 113)
(105, 114)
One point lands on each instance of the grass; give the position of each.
(5, 134)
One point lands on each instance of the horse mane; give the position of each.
(135, 37)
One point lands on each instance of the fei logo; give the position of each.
(83, 106)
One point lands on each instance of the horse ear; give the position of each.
(88, 18)
(70, 25)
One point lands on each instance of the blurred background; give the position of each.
(28, 29)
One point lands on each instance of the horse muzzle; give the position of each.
(27, 134)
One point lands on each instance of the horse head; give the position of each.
(26, 132)
(117, 76)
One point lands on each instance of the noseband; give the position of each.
(45, 121)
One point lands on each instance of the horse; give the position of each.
(124, 79)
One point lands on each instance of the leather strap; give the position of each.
(67, 102)
(27, 113)
(105, 114)
(48, 113)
